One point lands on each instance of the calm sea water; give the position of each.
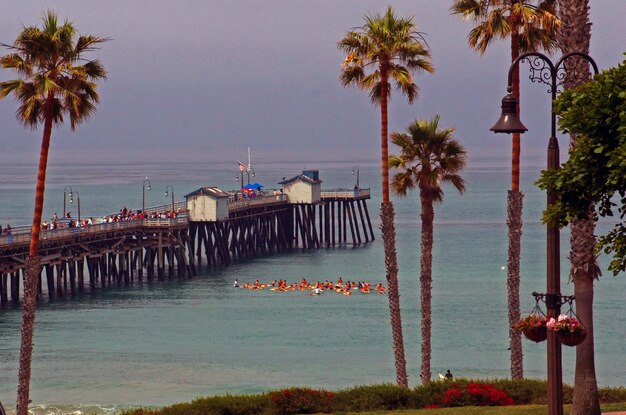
(163, 342)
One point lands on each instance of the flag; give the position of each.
(242, 167)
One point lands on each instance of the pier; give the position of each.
(213, 228)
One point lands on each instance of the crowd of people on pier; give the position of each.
(6, 230)
(124, 214)
(317, 287)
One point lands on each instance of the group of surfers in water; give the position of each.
(316, 288)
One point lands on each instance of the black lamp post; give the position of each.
(65, 194)
(169, 186)
(356, 169)
(249, 171)
(544, 71)
(143, 202)
(72, 201)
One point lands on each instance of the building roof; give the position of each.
(301, 177)
(213, 192)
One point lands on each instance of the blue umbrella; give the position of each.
(255, 186)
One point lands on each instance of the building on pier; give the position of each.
(303, 188)
(207, 204)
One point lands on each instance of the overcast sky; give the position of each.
(205, 79)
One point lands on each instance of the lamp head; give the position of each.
(71, 200)
(166, 194)
(509, 121)
(149, 187)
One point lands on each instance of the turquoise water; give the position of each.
(164, 342)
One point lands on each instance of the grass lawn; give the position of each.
(487, 410)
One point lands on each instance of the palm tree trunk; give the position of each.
(388, 228)
(575, 36)
(32, 271)
(514, 222)
(584, 271)
(426, 279)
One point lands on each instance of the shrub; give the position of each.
(524, 391)
(612, 395)
(217, 405)
(378, 398)
(474, 394)
(301, 401)
(375, 397)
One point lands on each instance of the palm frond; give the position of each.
(431, 156)
(389, 42)
(46, 57)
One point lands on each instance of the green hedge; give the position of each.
(368, 398)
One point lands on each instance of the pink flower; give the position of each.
(551, 323)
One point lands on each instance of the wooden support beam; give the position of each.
(3, 291)
(15, 288)
(72, 271)
(352, 214)
(367, 239)
(369, 222)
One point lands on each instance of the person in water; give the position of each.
(448, 375)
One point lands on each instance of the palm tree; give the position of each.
(55, 81)
(429, 158)
(386, 48)
(575, 36)
(531, 27)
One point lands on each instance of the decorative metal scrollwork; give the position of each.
(540, 71)
(573, 71)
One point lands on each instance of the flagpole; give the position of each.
(249, 165)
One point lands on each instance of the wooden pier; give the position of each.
(109, 255)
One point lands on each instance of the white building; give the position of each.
(207, 204)
(303, 188)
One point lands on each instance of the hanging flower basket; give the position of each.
(533, 326)
(536, 334)
(569, 330)
(572, 339)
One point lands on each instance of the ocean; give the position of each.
(161, 342)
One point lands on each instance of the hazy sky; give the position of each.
(206, 79)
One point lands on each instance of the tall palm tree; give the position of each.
(386, 48)
(531, 26)
(575, 36)
(55, 81)
(429, 157)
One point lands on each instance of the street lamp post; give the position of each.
(544, 71)
(143, 201)
(78, 200)
(356, 169)
(65, 197)
(169, 186)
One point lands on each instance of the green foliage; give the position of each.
(376, 397)
(385, 48)
(429, 157)
(55, 76)
(301, 401)
(373, 398)
(595, 173)
(535, 25)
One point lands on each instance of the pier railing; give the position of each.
(21, 234)
(263, 199)
(346, 194)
